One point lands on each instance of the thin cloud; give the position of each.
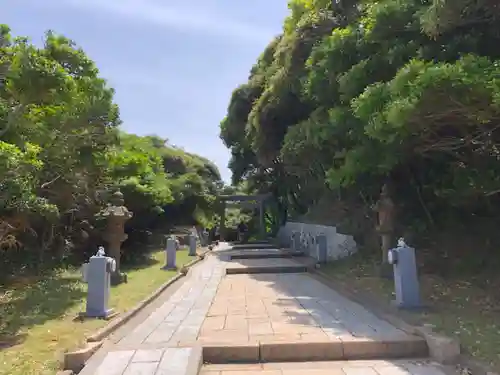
(186, 19)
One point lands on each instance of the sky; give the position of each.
(173, 66)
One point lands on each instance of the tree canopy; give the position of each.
(62, 153)
(356, 93)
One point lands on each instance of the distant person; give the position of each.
(217, 233)
(242, 230)
(211, 233)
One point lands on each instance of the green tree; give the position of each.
(354, 94)
(62, 153)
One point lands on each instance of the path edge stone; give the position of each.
(126, 316)
(75, 360)
(195, 361)
(443, 349)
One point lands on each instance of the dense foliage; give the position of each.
(357, 93)
(62, 153)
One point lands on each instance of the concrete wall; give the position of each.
(339, 245)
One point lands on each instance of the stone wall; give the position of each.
(339, 245)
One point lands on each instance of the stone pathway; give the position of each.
(272, 317)
(169, 361)
(292, 306)
(180, 318)
(255, 253)
(379, 367)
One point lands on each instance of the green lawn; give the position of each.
(36, 316)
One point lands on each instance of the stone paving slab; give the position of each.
(169, 361)
(181, 316)
(378, 367)
(266, 317)
(295, 317)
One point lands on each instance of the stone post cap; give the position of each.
(117, 211)
(100, 252)
(117, 207)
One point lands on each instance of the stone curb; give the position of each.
(443, 349)
(124, 318)
(320, 350)
(195, 362)
(185, 268)
(75, 360)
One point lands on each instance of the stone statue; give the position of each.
(385, 209)
(116, 214)
(100, 252)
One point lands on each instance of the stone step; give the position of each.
(265, 254)
(259, 265)
(254, 242)
(317, 350)
(264, 269)
(161, 361)
(370, 367)
(258, 255)
(253, 246)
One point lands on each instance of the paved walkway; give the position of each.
(180, 318)
(377, 367)
(258, 317)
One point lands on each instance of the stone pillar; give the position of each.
(170, 255)
(406, 282)
(192, 245)
(322, 248)
(222, 225)
(204, 238)
(97, 275)
(262, 222)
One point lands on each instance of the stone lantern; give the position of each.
(116, 215)
(386, 212)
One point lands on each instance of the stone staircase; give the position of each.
(356, 342)
(256, 311)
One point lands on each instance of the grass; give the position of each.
(36, 316)
(466, 309)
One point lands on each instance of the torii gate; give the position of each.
(258, 200)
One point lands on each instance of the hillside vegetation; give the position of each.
(62, 154)
(357, 93)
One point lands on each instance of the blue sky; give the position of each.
(173, 66)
